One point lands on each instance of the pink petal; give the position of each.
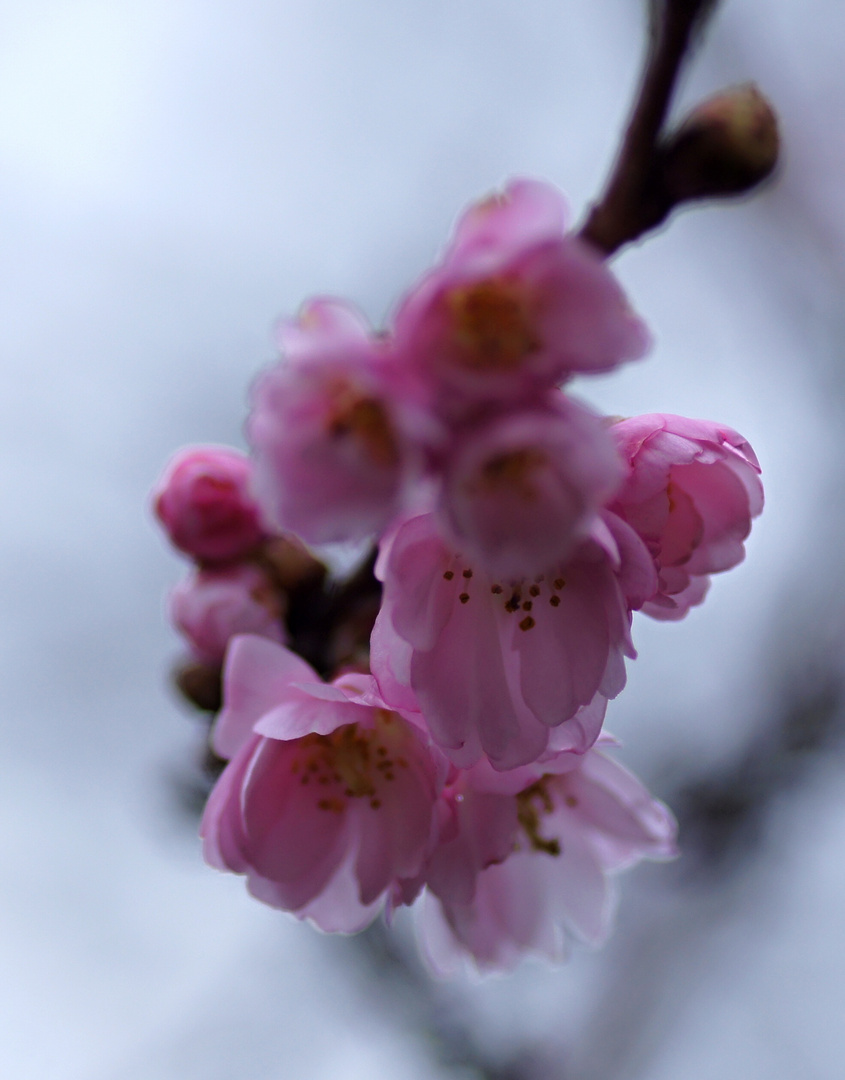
(257, 676)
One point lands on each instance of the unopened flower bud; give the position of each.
(212, 606)
(726, 146)
(204, 502)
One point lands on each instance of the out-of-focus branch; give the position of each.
(726, 146)
(723, 817)
(432, 1010)
(629, 204)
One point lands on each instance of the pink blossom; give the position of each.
(515, 304)
(212, 606)
(495, 664)
(520, 492)
(692, 489)
(521, 871)
(329, 796)
(330, 458)
(204, 502)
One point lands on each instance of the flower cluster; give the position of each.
(517, 533)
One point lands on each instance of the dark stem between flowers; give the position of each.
(318, 611)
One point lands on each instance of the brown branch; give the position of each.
(634, 199)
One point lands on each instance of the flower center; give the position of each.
(531, 805)
(521, 596)
(356, 416)
(511, 471)
(352, 763)
(492, 327)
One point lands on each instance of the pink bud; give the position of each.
(204, 502)
(210, 607)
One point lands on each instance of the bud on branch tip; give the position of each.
(726, 146)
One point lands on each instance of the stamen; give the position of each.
(364, 419)
(514, 471)
(353, 762)
(492, 326)
(528, 815)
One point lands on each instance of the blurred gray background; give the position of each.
(174, 176)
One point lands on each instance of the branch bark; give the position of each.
(635, 200)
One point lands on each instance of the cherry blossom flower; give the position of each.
(329, 796)
(204, 502)
(526, 862)
(520, 492)
(494, 664)
(692, 489)
(212, 606)
(518, 532)
(330, 458)
(515, 305)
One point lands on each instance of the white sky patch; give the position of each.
(75, 86)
